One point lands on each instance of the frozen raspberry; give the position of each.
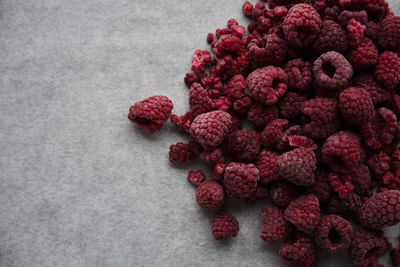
(151, 113)
(379, 163)
(190, 79)
(240, 179)
(210, 195)
(268, 167)
(267, 50)
(245, 144)
(341, 151)
(301, 25)
(320, 117)
(352, 202)
(290, 105)
(209, 129)
(332, 71)
(182, 122)
(303, 212)
(299, 250)
(242, 105)
(321, 188)
(235, 88)
(341, 183)
(298, 166)
(301, 141)
(283, 145)
(227, 44)
(382, 209)
(267, 84)
(274, 225)
(199, 101)
(346, 16)
(260, 114)
(389, 33)
(221, 103)
(200, 59)
(356, 105)
(395, 256)
(355, 33)
(333, 234)
(361, 179)
(299, 74)
(180, 153)
(260, 194)
(331, 38)
(210, 38)
(224, 224)
(196, 177)
(194, 146)
(387, 70)
(273, 132)
(283, 193)
(372, 30)
(247, 8)
(212, 156)
(331, 13)
(364, 55)
(375, 90)
(218, 170)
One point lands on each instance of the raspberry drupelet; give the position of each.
(210, 195)
(224, 224)
(180, 153)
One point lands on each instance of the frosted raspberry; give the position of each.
(212, 156)
(245, 144)
(191, 78)
(235, 88)
(200, 59)
(356, 105)
(301, 25)
(341, 183)
(290, 105)
(341, 151)
(210, 195)
(247, 8)
(379, 163)
(267, 50)
(224, 224)
(199, 101)
(321, 187)
(361, 179)
(375, 90)
(227, 44)
(209, 129)
(283, 145)
(151, 113)
(352, 202)
(283, 193)
(331, 38)
(346, 16)
(372, 30)
(243, 104)
(260, 194)
(332, 71)
(303, 212)
(331, 13)
(299, 250)
(196, 177)
(298, 166)
(218, 170)
(299, 74)
(387, 70)
(273, 132)
(333, 234)
(180, 153)
(355, 32)
(221, 103)
(364, 55)
(260, 114)
(268, 167)
(267, 84)
(301, 141)
(389, 33)
(274, 225)
(182, 122)
(240, 179)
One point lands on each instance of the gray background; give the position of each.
(79, 184)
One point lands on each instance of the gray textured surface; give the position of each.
(79, 185)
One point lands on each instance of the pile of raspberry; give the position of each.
(299, 111)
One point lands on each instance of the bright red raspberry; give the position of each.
(352, 202)
(260, 115)
(199, 101)
(299, 74)
(209, 129)
(210, 195)
(356, 105)
(273, 132)
(180, 153)
(267, 84)
(235, 88)
(364, 55)
(290, 105)
(196, 177)
(221, 103)
(331, 38)
(372, 86)
(267, 50)
(260, 194)
(301, 25)
(333, 234)
(210, 38)
(321, 188)
(274, 225)
(303, 212)
(341, 183)
(200, 59)
(240, 179)
(387, 70)
(268, 167)
(245, 145)
(224, 224)
(151, 113)
(298, 166)
(389, 33)
(247, 8)
(346, 16)
(191, 78)
(299, 250)
(283, 192)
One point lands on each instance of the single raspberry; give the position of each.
(387, 70)
(151, 113)
(379, 163)
(232, 22)
(299, 74)
(372, 86)
(267, 84)
(280, 11)
(260, 194)
(361, 179)
(274, 225)
(299, 250)
(332, 71)
(346, 16)
(210, 38)
(199, 101)
(224, 224)
(235, 88)
(351, 203)
(283, 192)
(268, 167)
(355, 33)
(303, 212)
(247, 8)
(212, 156)
(364, 55)
(210, 195)
(301, 141)
(200, 59)
(191, 78)
(321, 188)
(180, 153)
(301, 25)
(333, 234)
(341, 183)
(290, 104)
(209, 129)
(260, 115)
(395, 256)
(283, 145)
(269, 49)
(245, 144)
(389, 33)
(273, 132)
(298, 166)
(240, 179)
(243, 104)
(382, 209)
(372, 30)
(356, 105)
(331, 38)
(341, 151)
(227, 44)
(196, 177)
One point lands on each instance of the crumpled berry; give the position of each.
(299, 74)
(199, 101)
(356, 105)
(387, 70)
(346, 16)
(283, 192)
(200, 59)
(274, 225)
(210, 195)
(243, 104)
(224, 224)
(235, 88)
(240, 179)
(268, 167)
(191, 78)
(331, 38)
(269, 49)
(379, 163)
(351, 203)
(289, 105)
(196, 177)
(283, 144)
(341, 183)
(273, 132)
(297, 141)
(303, 212)
(180, 153)
(245, 144)
(299, 250)
(260, 114)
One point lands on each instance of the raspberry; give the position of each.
(190, 79)
(375, 90)
(364, 55)
(273, 132)
(372, 30)
(389, 33)
(209, 129)
(267, 165)
(227, 44)
(194, 146)
(181, 122)
(361, 179)
(342, 152)
(212, 156)
(151, 113)
(299, 74)
(240, 179)
(331, 13)
(379, 163)
(224, 224)
(356, 105)
(321, 187)
(267, 50)
(235, 88)
(218, 170)
(382, 209)
(274, 225)
(301, 25)
(331, 38)
(303, 212)
(260, 114)
(180, 153)
(341, 183)
(267, 84)
(210, 195)
(199, 101)
(346, 16)
(200, 59)
(333, 234)
(242, 105)
(301, 141)
(260, 194)
(247, 8)
(283, 144)
(387, 70)
(210, 38)
(283, 193)
(290, 105)
(245, 145)
(299, 250)
(196, 177)
(355, 33)
(298, 166)
(352, 202)
(221, 103)
(332, 71)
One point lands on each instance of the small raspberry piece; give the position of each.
(242, 105)
(352, 202)
(364, 55)
(180, 153)
(267, 165)
(219, 170)
(212, 156)
(387, 70)
(321, 188)
(151, 113)
(372, 30)
(247, 8)
(267, 84)
(235, 88)
(200, 59)
(209, 129)
(372, 86)
(301, 141)
(181, 122)
(299, 250)
(283, 193)
(298, 166)
(382, 209)
(389, 33)
(361, 179)
(301, 25)
(224, 224)
(273, 132)
(199, 101)
(260, 114)
(356, 105)
(260, 194)
(299, 74)
(341, 183)
(210, 38)
(191, 78)
(379, 163)
(303, 212)
(267, 50)
(196, 177)
(332, 71)
(245, 144)
(346, 16)
(290, 105)
(240, 179)
(274, 225)
(341, 151)
(333, 234)
(355, 33)
(331, 38)
(283, 144)
(210, 195)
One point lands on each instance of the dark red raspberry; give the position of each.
(200, 59)
(331, 38)
(194, 146)
(196, 177)
(387, 70)
(379, 163)
(303, 212)
(299, 250)
(209, 129)
(221, 103)
(260, 115)
(341, 183)
(267, 50)
(212, 156)
(191, 78)
(243, 104)
(346, 16)
(364, 55)
(389, 33)
(227, 44)
(283, 193)
(283, 145)
(290, 105)
(224, 224)
(267, 84)
(210, 38)
(235, 88)
(301, 25)
(199, 101)
(355, 33)
(260, 194)
(247, 8)
(151, 113)
(333, 234)
(182, 122)
(298, 166)
(372, 30)
(274, 225)
(210, 195)
(341, 151)
(301, 141)
(361, 179)
(273, 132)
(268, 167)
(352, 203)
(356, 105)
(395, 256)
(299, 74)
(332, 71)
(245, 145)
(240, 179)
(331, 13)
(321, 188)
(180, 153)
(372, 86)
(218, 170)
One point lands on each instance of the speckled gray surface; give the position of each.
(81, 186)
